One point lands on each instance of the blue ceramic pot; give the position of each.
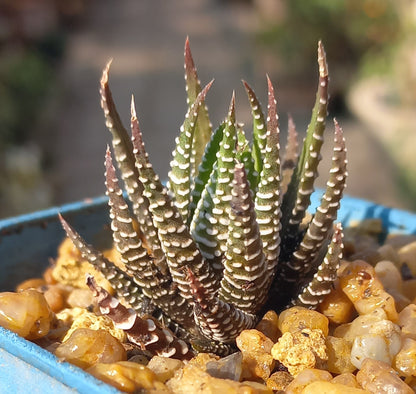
(27, 243)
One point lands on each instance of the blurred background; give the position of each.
(52, 132)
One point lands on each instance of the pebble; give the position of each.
(373, 337)
(128, 377)
(269, 325)
(306, 377)
(80, 298)
(409, 289)
(230, 367)
(298, 318)
(387, 252)
(194, 378)
(257, 360)
(407, 321)
(278, 381)
(33, 283)
(359, 282)
(389, 275)
(405, 360)
(76, 318)
(56, 296)
(164, 367)
(301, 350)
(347, 379)
(26, 313)
(407, 254)
(379, 378)
(336, 306)
(321, 387)
(86, 347)
(339, 355)
(71, 269)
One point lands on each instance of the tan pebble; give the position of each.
(360, 325)
(407, 254)
(297, 318)
(202, 359)
(337, 307)
(405, 360)
(400, 300)
(411, 382)
(164, 367)
(71, 269)
(331, 388)
(81, 318)
(268, 325)
(193, 379)
(301, 350)
(86, 347)
(387, 252)
(254, 341)
(127, 376)
(381, 342)
(379, 378)
(409, 289)
(250, 387)
(391, 279)
(339, 355)
(378, 299)
(359, 282)
(407, 321)
(389, 275)
(370, 255)
(80, 298)
(55, 298)
(347, 379)
(279, 380)
(305, 378)
(33, 283)
(356, 278)
(399, 240)
(257, 360)
(26, 313)
(48, 276)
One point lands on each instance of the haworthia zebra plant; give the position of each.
(227, 238)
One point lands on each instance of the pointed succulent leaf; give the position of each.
(205, 169)
(180, 174)
(259, 129)
(123, 151)
(216, 319)
(178, 245)
(267, 202)
(245, 270)
(144, 332)
(326, 213)
(225, 169)
(204, 227)
(203, 128)
(243, 155)
(321, 284)
(297, 198)
(290, 156)
(119, 280)
(134, 255)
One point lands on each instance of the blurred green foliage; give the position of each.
(26, 75)
(353, 32)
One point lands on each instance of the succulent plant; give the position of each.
(228, 237)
